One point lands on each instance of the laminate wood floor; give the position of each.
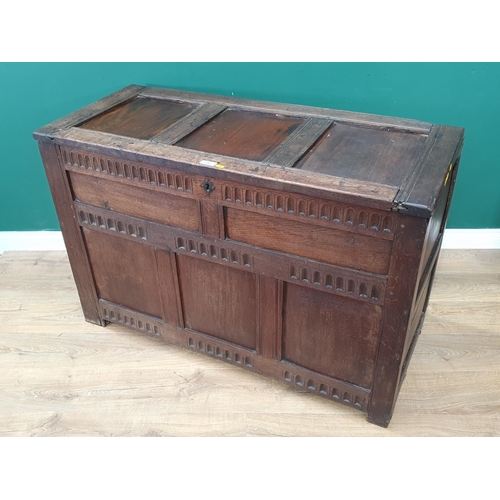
(61, 376)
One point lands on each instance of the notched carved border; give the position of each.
(129, 318)
(111, 223)
(214, 251)
(340, 283)
(338, 280)
(328, 390)
(212, 348)
(132, 171)
(355, 218)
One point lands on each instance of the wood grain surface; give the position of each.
(142, 118)
(62, 376)
(365, 154)
(135, 201)
(324, 244)
(242, 134)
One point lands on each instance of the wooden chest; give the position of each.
(295, 242)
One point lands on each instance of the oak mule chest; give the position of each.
(292, 241)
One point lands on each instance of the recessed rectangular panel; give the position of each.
(315, 242)
(141, 118)
(125, 272)
(365, 154)
(218, 300)
(133, 200)
(434, 230)
(242, 134)
(331, 335)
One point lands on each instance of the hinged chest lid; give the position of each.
(388, 163)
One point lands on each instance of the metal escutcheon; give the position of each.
(207, 186)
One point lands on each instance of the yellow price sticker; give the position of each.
(450, 168)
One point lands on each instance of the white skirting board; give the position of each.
(52, 240)
(479, 239)
(31, 240)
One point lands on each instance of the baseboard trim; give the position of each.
(53, 240)
(473, 239)
(31, 240)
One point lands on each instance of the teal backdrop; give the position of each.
(460, 94)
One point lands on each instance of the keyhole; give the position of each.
(207, 186)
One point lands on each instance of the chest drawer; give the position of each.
(136, 200)
(317, 242)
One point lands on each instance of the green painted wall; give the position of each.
(461, 94)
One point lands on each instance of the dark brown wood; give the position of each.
(269, 312)
(436, 227)
(419, 196)
(88, 112)
(435, 230)
(132, 200)
(400, 295)
(114, 313)
(189, 123)
(134, 287)
(168, 287)
(369, 194)
(73, 240)
(298, 142)
(212, 219)
(362, 119)
(358, 285)
(319, 243)
(294, 242)
(313, 211)
(219, 301)
(242, 134)
(342, 335)
(365, 154)
(142, 117)
(418, 312)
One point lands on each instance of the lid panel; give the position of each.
(365, 154)
(242, 134)
(141, 118)
(380, 162)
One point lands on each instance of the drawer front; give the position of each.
(156, 206)
(346, 249)
(314, 210)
